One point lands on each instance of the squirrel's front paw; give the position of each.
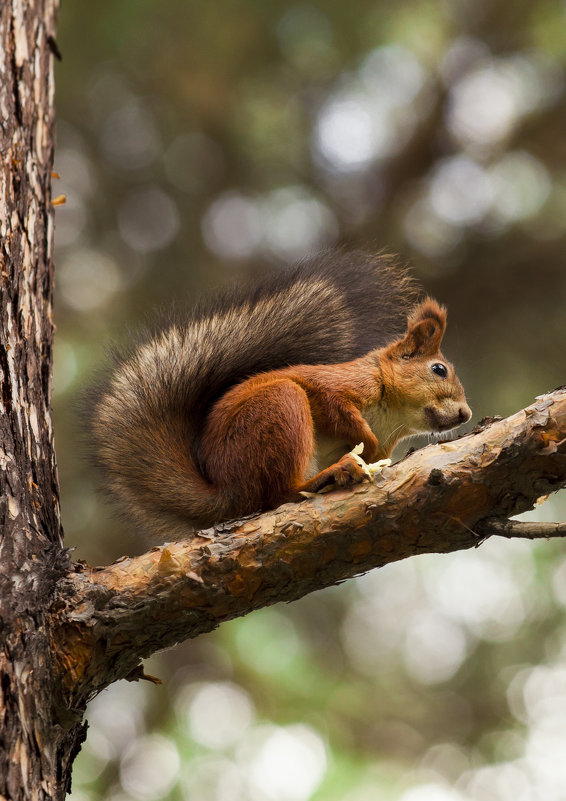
(350, 469)
(369, 470)
(347, 471)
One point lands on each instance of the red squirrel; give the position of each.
(260, 394)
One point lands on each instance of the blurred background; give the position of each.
(204, 143)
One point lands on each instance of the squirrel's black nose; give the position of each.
(464, 414)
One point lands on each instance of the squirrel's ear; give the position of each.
(425, 329)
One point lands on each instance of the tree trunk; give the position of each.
(35, 750)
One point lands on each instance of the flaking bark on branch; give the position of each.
(445, 497)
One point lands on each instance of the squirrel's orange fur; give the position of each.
(189, 435)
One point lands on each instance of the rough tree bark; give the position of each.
(36, 751)
(68, 630)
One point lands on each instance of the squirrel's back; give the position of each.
(146, 416)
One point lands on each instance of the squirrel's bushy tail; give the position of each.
(146, 416)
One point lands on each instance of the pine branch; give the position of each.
(445, 497)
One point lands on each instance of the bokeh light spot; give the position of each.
(219, 714)
(287, 764)
(231, 226)
(149, 768)
(88, 278)
(148, 220)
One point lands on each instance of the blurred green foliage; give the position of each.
(199, 144)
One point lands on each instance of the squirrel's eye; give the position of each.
(439, 369)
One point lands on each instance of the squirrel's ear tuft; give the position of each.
(428, 309)
(425, 329)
